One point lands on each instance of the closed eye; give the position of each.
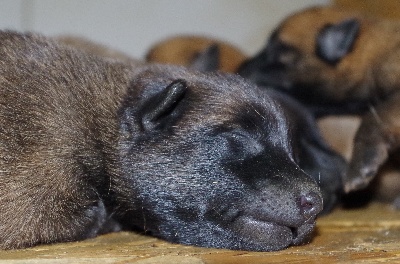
(243, 144)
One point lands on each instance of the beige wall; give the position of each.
(133, 25)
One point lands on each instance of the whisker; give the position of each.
(109, 187)
(255, 110)
(373, 111)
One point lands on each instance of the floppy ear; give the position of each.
(162, 108)
(207, 60)
(335, 41)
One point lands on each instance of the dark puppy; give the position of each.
(314, 155)
(337, 62)
(91, 145)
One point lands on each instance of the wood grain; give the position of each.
(366, 235)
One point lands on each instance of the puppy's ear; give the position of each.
(335, 41)
(162, 109)
(207, 60)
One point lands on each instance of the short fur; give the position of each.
(94, 48)
(315, 156)
(341, 62)
(183, 49)
(89, 145)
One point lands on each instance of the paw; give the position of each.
(366, 161)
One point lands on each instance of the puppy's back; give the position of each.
(57, 108)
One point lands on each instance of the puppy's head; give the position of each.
(208, 160)
(322, 56)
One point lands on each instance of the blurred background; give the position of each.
(132, 26)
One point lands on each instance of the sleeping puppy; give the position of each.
(340, 62)
(315, 156)
(91, 145)
(318, 56)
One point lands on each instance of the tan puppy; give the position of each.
(184, 50)
(338, 61)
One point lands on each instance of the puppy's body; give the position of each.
(94, 48)
(58, 140)
(89, 145)
(341, 62)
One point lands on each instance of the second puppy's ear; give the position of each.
(335, 41)
(207, 60)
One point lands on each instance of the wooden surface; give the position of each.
(368, 235)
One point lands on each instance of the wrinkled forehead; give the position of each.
(242, 105)
(266, 117)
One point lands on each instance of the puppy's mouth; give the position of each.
(268, 236)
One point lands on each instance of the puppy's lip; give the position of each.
(303, 234)
(264, 232)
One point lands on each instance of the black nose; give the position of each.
(310, 205)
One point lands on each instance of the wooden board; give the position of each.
(367, 235)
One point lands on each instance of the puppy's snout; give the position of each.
(310, 205)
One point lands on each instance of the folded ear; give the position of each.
(335, 41)
(207, 60)
(162, 108)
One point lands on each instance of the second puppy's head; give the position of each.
(321, 56)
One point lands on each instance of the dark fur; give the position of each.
(91, 145)
(340, 62)
(314, 156)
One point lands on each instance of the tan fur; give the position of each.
(383, 8)
(41, 182)
(370, 71)
(181, 50)
(361, 72)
